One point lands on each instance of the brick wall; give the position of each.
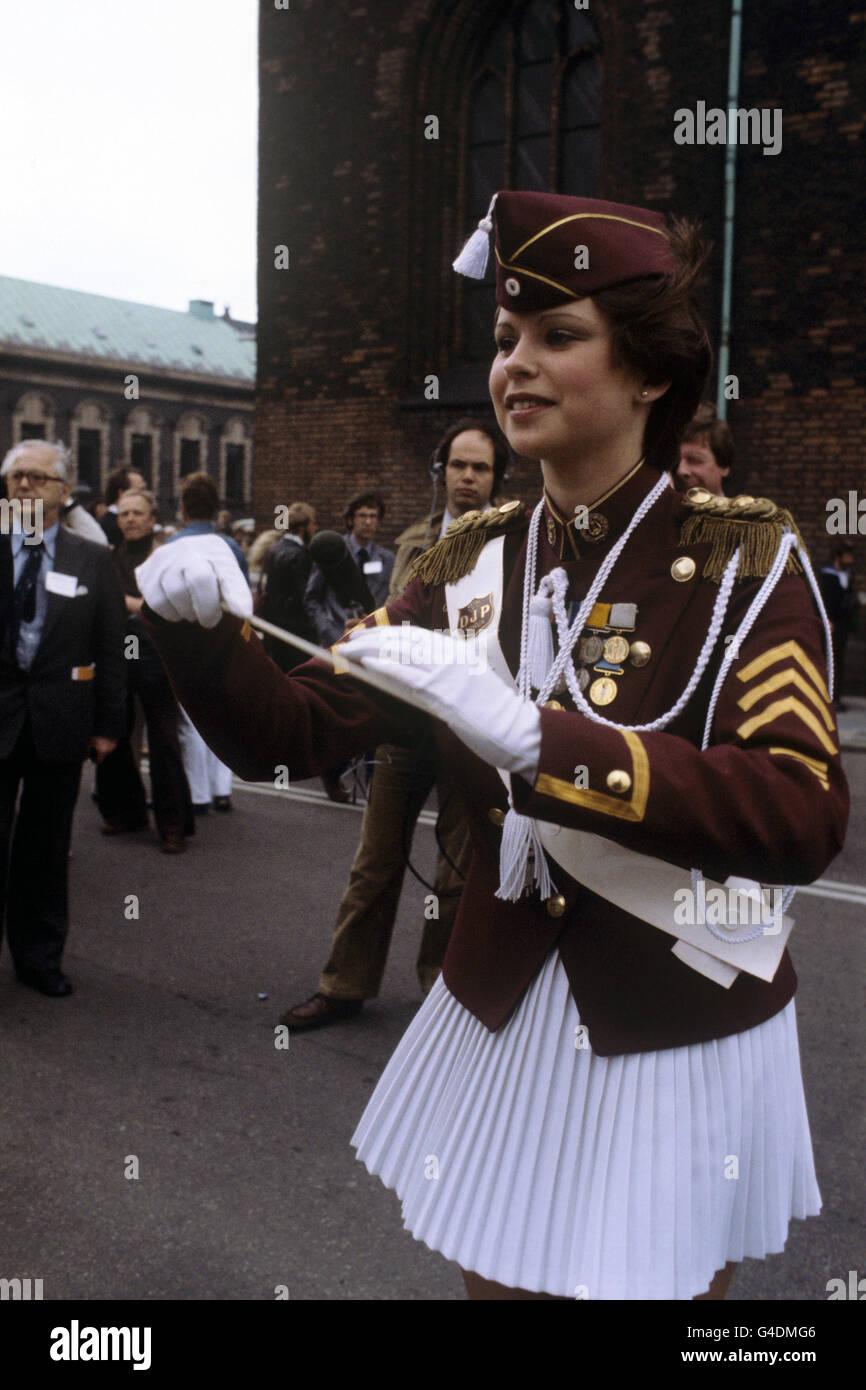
(371, 215)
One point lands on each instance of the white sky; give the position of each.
(128, 148)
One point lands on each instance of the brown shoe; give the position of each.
(173, 844)
(335, 791)
(320, 1010)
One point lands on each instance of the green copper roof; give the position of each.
(70, 323)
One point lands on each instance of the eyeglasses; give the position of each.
(37, 478)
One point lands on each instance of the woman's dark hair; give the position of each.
(118, 482)
(659, 332)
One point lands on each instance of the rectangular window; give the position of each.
(141, 455)
(236, 457)
(89, 442)
(190, 453)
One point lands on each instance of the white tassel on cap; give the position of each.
(522, 861)
(472, 260)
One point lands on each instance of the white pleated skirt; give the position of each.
(527, 1159)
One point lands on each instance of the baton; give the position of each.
(388, 684)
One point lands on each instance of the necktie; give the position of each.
(24, 601)
(363, 557)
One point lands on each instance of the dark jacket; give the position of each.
(76, 686)
(286, 574)
(766, 800)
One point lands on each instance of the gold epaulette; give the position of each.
(458, 550)
(754, 524)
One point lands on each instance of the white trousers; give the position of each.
(207, 776)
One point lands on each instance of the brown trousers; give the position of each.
(402, 781)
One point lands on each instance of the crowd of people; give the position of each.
(135, 710)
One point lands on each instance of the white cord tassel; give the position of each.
(522, 861)
(472, 260)
(539, 651)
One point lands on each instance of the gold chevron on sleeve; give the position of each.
(633, 809)
(790, 649)
(787, 677)
(790, 705)
(814, 765)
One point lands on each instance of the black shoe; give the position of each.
(201, 808)
(51, 982)
(319, 1011)
(222, 803)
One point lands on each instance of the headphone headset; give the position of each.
(439, 457)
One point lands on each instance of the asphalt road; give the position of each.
(246, 1181)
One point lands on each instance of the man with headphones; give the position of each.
(471, 460)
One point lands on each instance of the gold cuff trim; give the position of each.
(789, 706)
(633, 809)
(815, 765)
(786, 649)
(787, 677)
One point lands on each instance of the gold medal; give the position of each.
(639, 653)
(602, 691)
(615, 650)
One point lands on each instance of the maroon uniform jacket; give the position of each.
(767, 800)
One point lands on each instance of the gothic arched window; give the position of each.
(532, 121)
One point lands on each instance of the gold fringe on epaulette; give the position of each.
(449, 559)
(758, 542)
(458, 550)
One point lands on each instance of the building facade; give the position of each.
(385, 128)
(169, 392)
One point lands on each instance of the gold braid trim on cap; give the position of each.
(754, 524)
(457, 552)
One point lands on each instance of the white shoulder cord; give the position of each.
(521, 852)
(519, 833)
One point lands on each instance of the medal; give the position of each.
(615, 650)
(602, 691)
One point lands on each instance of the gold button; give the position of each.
(639, 653)
(496, 816)
(602, 691)
(698, 495)
(619, 781)
(554, 704)
(683, 568)
(556, 906)
(508, 507)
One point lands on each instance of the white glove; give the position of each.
(450, 679)
(196, 578)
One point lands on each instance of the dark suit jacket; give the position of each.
(76, 686)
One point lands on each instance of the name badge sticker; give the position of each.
(64, 584)
(373, 567)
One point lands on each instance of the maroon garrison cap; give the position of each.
(551, 249)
